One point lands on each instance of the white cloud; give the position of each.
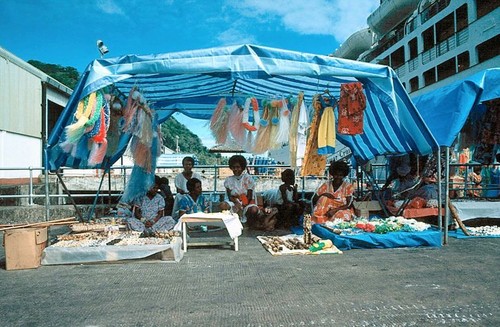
(339, 18)
(110, 7)
(234, 35)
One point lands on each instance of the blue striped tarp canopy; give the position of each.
(192, 82)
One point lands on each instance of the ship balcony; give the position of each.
(433, 53)
(447, 45)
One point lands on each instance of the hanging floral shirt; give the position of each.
(352, 104)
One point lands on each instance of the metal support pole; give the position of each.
(447, 194)
(30, 200)
(109, 189)
(45, 151)
(77, 210)
(91, 212)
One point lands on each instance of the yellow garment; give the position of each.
(326, 132)
(313, 164)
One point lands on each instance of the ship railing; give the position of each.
(413, 64)
(445, 46)
(401, 70)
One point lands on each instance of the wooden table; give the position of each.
(204, 219)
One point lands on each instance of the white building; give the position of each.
(30, 102)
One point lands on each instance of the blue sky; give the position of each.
(65, 32)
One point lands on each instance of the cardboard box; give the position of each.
(363, 208)
(24, 247)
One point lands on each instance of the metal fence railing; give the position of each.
(91, 183)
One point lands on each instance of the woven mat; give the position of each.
(284, 250)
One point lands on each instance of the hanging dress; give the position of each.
(314, 164)
(262, 140)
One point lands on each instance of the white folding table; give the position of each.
(230, 221)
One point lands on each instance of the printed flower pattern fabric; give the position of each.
(324, 203)
(352, 104)
(150, 207)
(188, 205)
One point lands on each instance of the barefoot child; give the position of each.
(286, 200)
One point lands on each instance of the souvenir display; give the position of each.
(86, 136)
(378, 226)
(291, 244)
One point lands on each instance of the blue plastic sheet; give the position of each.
(430, 237)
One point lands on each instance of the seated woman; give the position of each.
(334, 198)
(194, 201)
(286, 200)
(180, 183)
(240, 197)
(148, 213)
(399, 185)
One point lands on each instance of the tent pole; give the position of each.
(109, 190)
(447, 194)
(91, 212)
(77, 210)
(375, 190)
(45, 152)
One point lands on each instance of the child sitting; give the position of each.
(286, 200)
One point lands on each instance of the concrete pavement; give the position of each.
(456, 285)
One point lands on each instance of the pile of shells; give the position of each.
(484, 231)
(278, 244)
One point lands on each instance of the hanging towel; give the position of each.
(352, 104)
(326, 132)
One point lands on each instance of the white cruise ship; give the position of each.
(429, 43)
